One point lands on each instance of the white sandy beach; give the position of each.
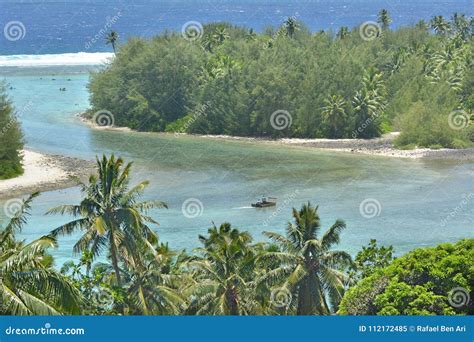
(42, 173)
(382, 146)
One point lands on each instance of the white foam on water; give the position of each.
(79, 58)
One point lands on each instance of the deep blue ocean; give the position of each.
(64, 26)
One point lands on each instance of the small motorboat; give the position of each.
(265, 202)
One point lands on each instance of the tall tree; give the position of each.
(224, 272)
(343, 32)
(383, 19)
(334, 115)
(369, 104)
(460, 24)
(250, 35)
(153, 282)
(111, 39)
(310, 269)
(220, 35)
(11, 138)
(110, 215)
(439, 25)
(291, 26)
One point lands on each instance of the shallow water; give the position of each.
(416, 197)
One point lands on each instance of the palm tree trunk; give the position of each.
(311, 297)
(113, 256)
(232, 300)
(305, 305)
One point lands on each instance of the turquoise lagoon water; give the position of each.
(416, 197)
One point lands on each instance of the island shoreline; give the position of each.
(45, 172)
(383, 146)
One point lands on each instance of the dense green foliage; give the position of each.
(231, 80)
(419, 283)
(298, 273)
(371, 258)
(28, 283)
(11, 139)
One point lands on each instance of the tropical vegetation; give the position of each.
(417, 80)
(11, 139)
(29, 285)
(123, 269)
(426, 281)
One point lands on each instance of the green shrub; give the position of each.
(418, 283)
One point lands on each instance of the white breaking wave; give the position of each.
(79, 58)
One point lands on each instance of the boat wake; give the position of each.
(247, 207)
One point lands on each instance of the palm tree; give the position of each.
(439, 25)
(334, 114)
(220, 35)
(250, 35)
(154, 282)
(291, 26)
(208, 43)
(422, 25)
(398, 60)
(373, 82)
(112, 38)
(28, 283)
(448, 63)
(369, 103)
(224, 273)
(219, 66)
(384, 19)
(460, 24)
(366, 109)
(343, 32)
(309, 268)
(110, 215)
